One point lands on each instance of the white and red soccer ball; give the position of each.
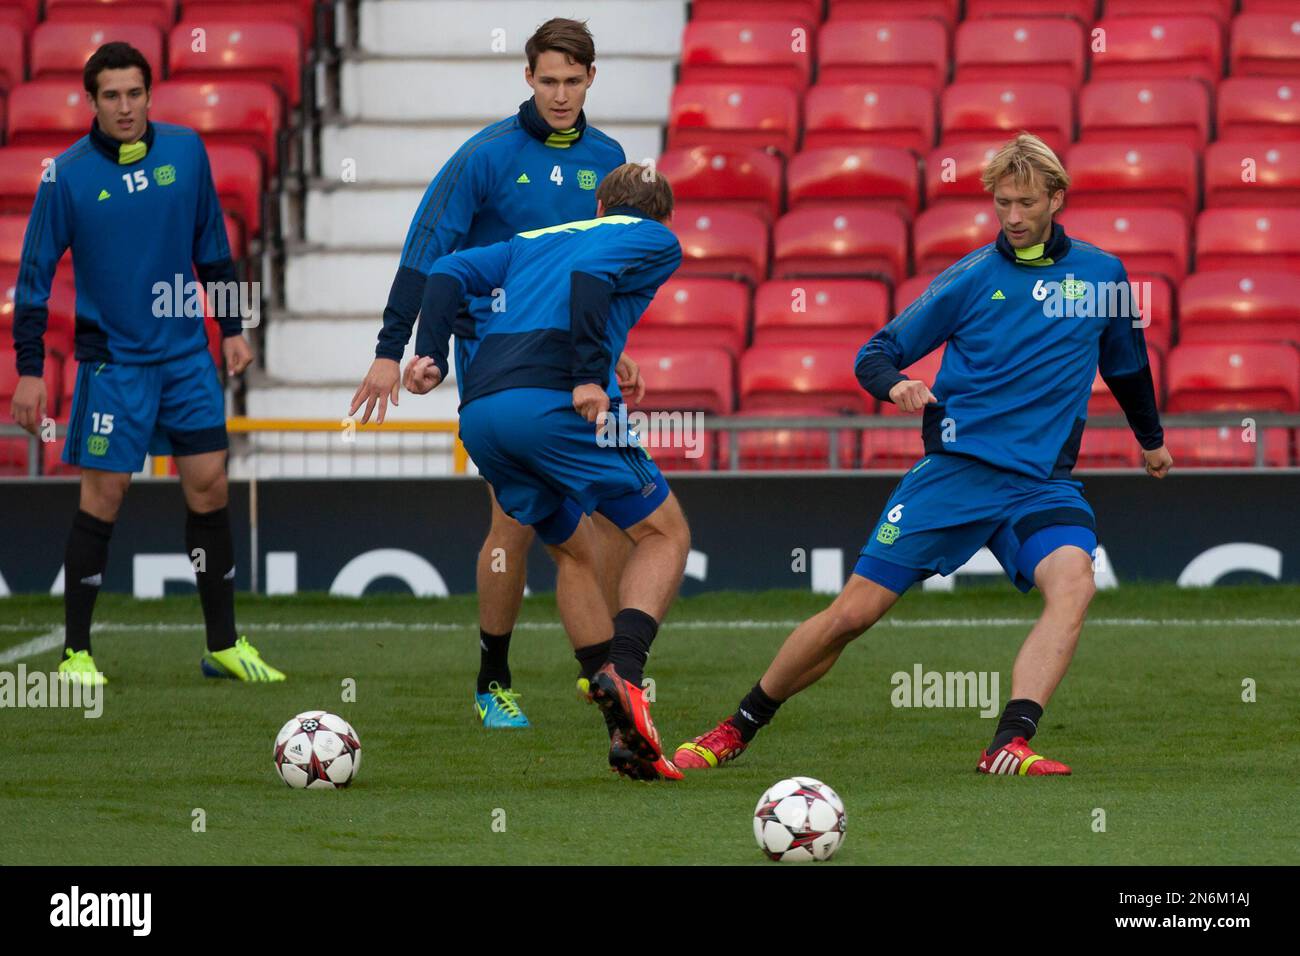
(317, 750)
(799, 820)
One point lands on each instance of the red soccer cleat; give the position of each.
(1016, 758)
(626, 703)
(707, 751)
(624, 761)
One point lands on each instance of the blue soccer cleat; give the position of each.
(499, 707)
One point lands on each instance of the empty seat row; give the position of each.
(160, 14)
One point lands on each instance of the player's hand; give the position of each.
(1158, 461)
(381, 386)
(421, 375)
(29, 402)
(237, 353)
(911, 395)
(630, 383)
(591, 402)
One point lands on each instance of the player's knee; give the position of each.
(102, 497)
(1071, 588)
(851, 616)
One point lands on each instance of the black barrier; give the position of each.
(748, 533)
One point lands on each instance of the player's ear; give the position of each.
(591, 74)
(1057, 201)
(600, 208)
(528, 77)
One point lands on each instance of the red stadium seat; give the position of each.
(882, 114)
(882, 177)
(1228, 446)
(1008, 50)
(794, 449)
(815, 311)
(1249, 376)
(159, 13)
(944, 10)
(803, 377)
(236, 235)
(20, 14)
(735, 115)
(13, 226)
(1155, 301)
(911, 51)
(1085, 11)
(1161, 110)
(989, 110)
(722, 242)
(1265, 44)
(267, 52)
(849, 242)
(300, 13)
(1233, 306)
(1157, 46)
(1267, 6)
(747, 51)
(1220, 10)
(1146, 240)
(48, 113)
(61, 304)
(1252, 173)
(1109, 448)
(693, 312)
(237, 174)
(744, 178)
(239, 112)
(61, 48)
(1259, 108)
(910, 290)
(1248, 237)
(1143, 174)
(805, 11)
(687, 379)
(13, 55)
(1102, 402)
(21, 169)
(947, 232)
(954, 171)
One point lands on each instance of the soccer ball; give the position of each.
(318, 751)
(799, 820)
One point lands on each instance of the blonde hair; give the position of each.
(1030, 161)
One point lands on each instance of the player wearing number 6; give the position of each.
(1026, 327)
(135, 202)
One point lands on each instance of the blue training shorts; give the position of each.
(547, 468)
(120, 413)
(949, 506)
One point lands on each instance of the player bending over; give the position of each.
(1001, 427)
(535, 168)
(135, 202)
(535, 392)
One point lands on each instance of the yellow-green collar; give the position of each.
(1031, 252)
(131, 152)
(563, 138)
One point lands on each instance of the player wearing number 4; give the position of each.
(1002, 426)
(134, 200)
(536, 168)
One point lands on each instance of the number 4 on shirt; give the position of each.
(557, 177)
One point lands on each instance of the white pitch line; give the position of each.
(37, 645)
(728, 625)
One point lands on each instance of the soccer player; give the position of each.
(536, 168)
(539, 378)
(1002, 426)
(135, 202)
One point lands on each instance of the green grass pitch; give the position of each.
(1151, 717)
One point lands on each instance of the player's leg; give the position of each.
(615, 549)
(501, 575)
(113, 411)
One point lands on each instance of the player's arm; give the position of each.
(441, 223)
(1126, 370)
(471, 272)
(916, 331)
(49, 233)
(213, 262)
(635, 261)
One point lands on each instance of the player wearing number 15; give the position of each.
(135, 202)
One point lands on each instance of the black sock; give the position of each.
(84, 559)
(754, 713)
(493, 660)
(212, 552)
(1019, 719)
(634, 632)
(590, 660)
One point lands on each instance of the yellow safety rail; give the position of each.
(241, 425)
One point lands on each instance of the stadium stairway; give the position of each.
(413, 80)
